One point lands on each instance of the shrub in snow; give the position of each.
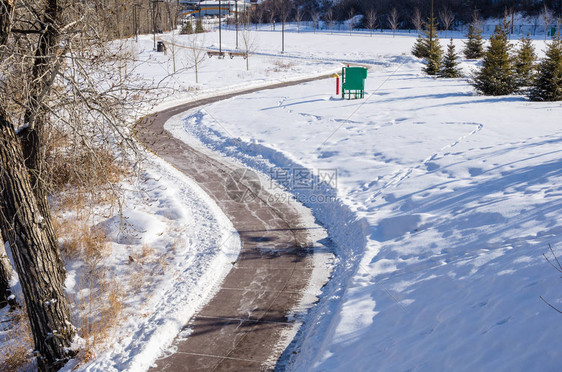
(187, 28)
(496, 76)
(199, 26)
(450, 67)
(547, 85)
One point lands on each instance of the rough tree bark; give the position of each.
(5, 275)
(25, 219)
(6, 7)
(44, 69)
(41, 279)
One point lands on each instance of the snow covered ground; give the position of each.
(191, 245)
(443, 204)
(447, 201)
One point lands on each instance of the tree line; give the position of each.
(396, 14)
(505, 69)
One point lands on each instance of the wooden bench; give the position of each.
(238, 54)
(211, 53)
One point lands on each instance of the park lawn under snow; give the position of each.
(439, 245)
(447, 201)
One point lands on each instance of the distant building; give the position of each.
(211, 8)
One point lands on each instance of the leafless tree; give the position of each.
(173, 49)
(25, 216)
(298, 18)
(247, 17)
(371, 19)
(315, 15)
(476, 20)
(196, 55)
(393, 20)
(258, 15)
(271, 14)
(329, 18)
(535, 24)
(546, 17)
(510, 14)
(249, 45)
(447, 17)
(283, 9)
(350, 16)
(417, 20)
(53, 58)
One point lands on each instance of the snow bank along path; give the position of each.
(251, 319)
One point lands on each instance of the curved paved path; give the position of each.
(240, 329)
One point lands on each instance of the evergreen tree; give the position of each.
(496, 76)
(474, 46)
(187, 28)
(450, 67)
(420, 47)
(434, 52)
(426, 40)
(199, 26)
(434, 60)
(547, 85)
(524, 62)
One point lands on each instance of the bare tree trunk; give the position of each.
(44, 70)
(36, 260)
(5, 275)
(25, 218)
(6, 7)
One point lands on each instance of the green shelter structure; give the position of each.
(353, 82)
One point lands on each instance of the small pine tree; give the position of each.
(450, 67)
(434, 50)
(496, 76)
(524, 62)
(199, 26)
(426, 40)
(420, 47)
(187, 28)
(474, 46)
(547, 85)
(434, 60)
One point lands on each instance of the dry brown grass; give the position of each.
(99, 305)
(99, 298)
(78, 166)
(18, 346)
(282, 65)
(80, 175)
(101, 311)
(80, 241)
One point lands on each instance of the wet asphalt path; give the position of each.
(240, 329)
